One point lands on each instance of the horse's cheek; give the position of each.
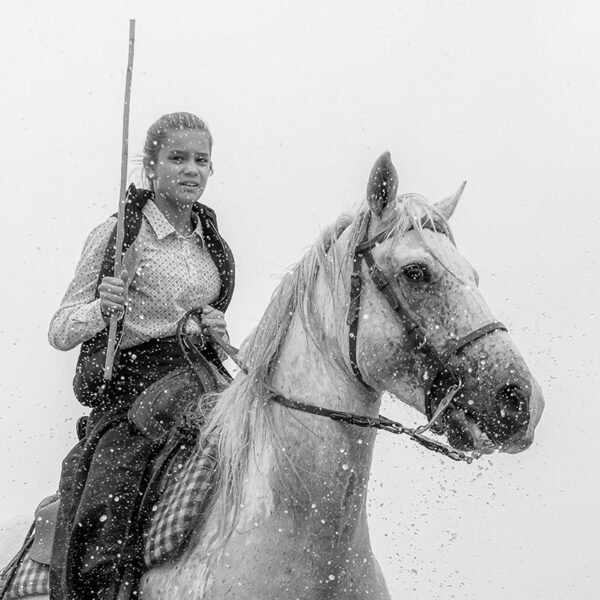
(386, 360)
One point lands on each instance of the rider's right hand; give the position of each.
(113, 296)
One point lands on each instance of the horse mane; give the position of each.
(242, 419)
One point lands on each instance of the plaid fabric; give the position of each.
(179, 510)
(181, 505)
(31, 579)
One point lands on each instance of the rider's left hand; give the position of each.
(214, 320)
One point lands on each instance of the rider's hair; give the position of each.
(159, 130)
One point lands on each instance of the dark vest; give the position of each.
(90, 363)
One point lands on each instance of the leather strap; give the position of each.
(440, 362)
(336, 415)
(413, 329)
(471, 337)
(353, 314)
(379, 422)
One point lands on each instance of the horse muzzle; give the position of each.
(492, 409)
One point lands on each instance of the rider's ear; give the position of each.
(383, 184)
(446, 206)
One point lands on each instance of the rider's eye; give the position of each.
(416, 273)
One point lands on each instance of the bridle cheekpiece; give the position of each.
(443, 387)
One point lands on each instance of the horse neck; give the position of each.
(326, 463)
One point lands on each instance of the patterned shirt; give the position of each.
(175, 273)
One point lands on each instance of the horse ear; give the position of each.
(383, 184)
(446, 206)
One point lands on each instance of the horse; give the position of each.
(381, 303)
(288, 519)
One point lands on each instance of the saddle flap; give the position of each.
(159, 406)
(45, 526)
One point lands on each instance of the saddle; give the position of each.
(27, 574)
(168, 413)
(160, 406)
(45, 525)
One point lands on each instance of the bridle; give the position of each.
(445, 384)
(445, 379)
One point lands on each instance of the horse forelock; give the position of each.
(242, 420)
(414, 213)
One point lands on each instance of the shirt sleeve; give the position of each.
(79, 318)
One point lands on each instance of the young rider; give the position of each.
(182, 263)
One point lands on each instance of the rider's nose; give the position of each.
(190, 167)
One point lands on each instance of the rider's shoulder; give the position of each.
(101, 233)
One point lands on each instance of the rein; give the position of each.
(445, 384)
(379, 422)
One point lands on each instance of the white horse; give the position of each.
(383, 302)
(289, 519)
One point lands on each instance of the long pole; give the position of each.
(112, 331)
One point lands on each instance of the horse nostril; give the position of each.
(512, 412)
(511, 399)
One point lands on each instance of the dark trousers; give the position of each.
(102, 482)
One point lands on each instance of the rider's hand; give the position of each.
(113, 296)
(214, 320)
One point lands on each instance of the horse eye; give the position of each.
(415, 273)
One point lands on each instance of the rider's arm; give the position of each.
(79, 317)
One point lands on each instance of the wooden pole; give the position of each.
(112, 331)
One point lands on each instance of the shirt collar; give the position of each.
(161, 226)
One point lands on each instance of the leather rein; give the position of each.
(444, 385)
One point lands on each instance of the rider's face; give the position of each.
(182, 167)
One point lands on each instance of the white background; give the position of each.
(301, 98)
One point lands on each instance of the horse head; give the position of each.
(423, 329)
